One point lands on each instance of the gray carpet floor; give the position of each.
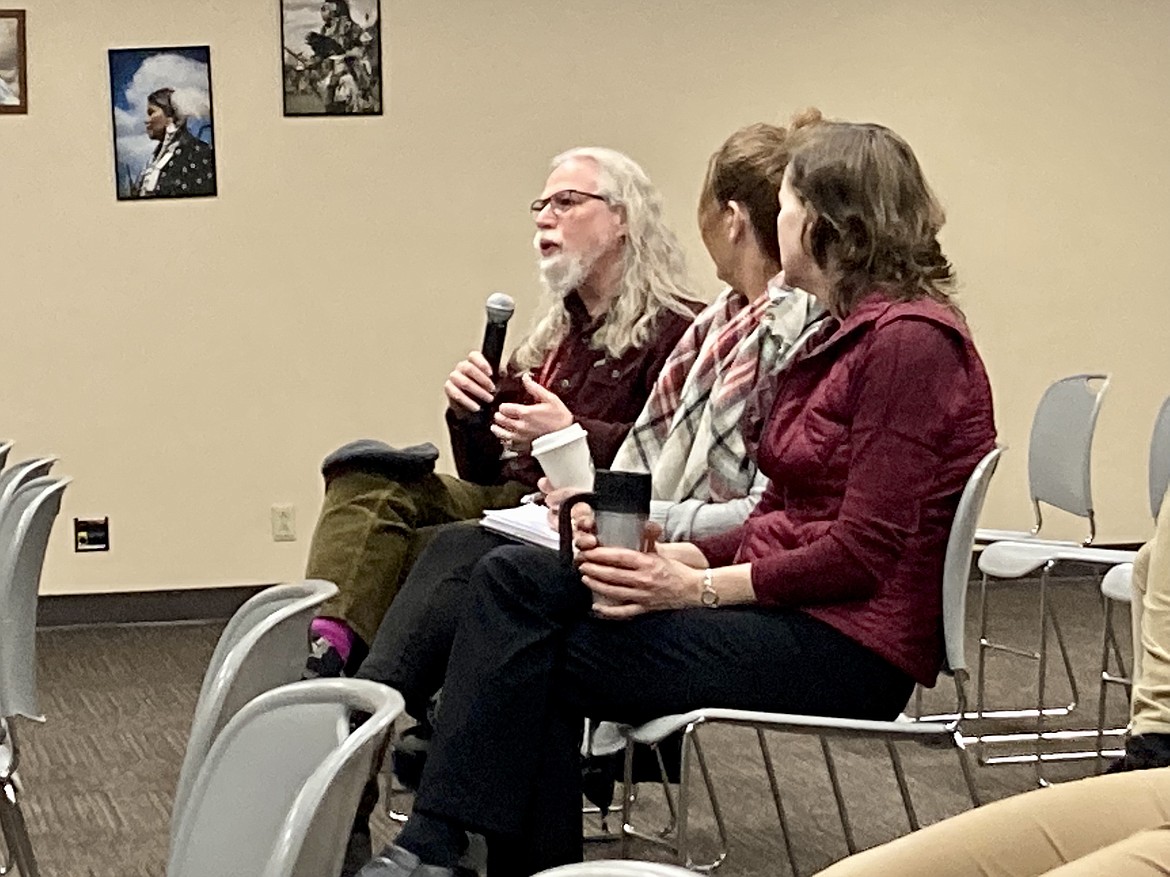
(100, 773)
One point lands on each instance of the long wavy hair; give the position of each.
(654, 272)
(872, 217)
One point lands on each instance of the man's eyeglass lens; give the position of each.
(563, 201)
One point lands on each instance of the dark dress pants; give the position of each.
(529, 661)
(414, 639)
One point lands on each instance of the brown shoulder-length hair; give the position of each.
(873, 220)
(748, 168)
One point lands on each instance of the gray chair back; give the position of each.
(5, 449)
(19, 474)
(24, 537)
(263, 646)
(957, 566)
(1160, 458)
(279, 788)
(1060, 446)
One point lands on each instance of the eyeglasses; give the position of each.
(563, 201)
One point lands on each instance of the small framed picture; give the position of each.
(164, 133)
(13, 63)
(332, 57)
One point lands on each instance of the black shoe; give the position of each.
(394, 861)
(409, 756)
(325, 662)
(1143, 752)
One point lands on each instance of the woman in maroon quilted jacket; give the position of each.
(827, 601)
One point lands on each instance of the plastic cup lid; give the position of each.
(558, 439)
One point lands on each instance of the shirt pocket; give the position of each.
(607, 382)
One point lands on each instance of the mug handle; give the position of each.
(565, 523)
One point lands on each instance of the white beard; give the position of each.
(563, 273)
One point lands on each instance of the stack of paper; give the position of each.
(527, 522)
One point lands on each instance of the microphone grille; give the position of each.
(500, 307)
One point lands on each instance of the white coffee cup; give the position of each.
(564, 456)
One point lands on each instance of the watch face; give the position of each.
(710, 598)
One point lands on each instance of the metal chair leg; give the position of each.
(684, 783)
(630, 797)
(903, 789)
(984, 645)
(664, 779)
(627, 799)
(781, 814)
(720, 825)
(969, 775)
(1109, 642)
(846, 826)
(1103, 688)
(1036, 740)
(1074, 689)
(1041, 675)
(16, 831)
(691, 748)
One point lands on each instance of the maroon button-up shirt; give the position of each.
(870, 442)
(604, 395)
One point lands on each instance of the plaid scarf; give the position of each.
(689, 435)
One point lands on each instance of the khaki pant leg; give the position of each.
(1137, 609)
(1025, 835)
(366, 535)
(1150, 704)
(1145, 854)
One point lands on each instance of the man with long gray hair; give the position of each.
(619, 301)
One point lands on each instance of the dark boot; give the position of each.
(409, 755)
(1143, 752)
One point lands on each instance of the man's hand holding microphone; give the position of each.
(471, 387)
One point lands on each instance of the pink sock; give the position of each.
(335, 632)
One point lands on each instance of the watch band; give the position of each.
(709, 597)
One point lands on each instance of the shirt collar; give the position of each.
(879, 307)
(579, 317)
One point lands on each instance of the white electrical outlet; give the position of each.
(284, 523)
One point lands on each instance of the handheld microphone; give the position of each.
(499, 309)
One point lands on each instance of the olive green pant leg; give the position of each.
(366, 535)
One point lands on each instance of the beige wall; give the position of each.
(192, 362)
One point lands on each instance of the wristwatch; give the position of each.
(709, 597)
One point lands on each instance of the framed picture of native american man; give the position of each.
(164, 135)
(13, 63)
(332, 57)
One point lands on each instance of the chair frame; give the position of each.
(384, 705)
(1158, 474)
(935, 734)
(251, 623)
(1121, 676)
(1030, 557)
(1082, 506)
(20, 855)
(17, 842)
(288, 819)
